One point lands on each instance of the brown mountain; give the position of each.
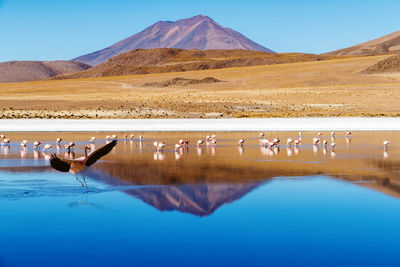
(387, 44)
(199, 32)
(145, 61)
(389, 65)
(22, 71)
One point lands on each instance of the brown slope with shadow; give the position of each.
(23, 71)
(388, 65)
(163, 60)
(385, 45)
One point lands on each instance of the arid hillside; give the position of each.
(22, 71)
(388, 65)
(387, 44)
(148, 61)
(319, 88)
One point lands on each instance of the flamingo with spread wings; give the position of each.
(77, 165)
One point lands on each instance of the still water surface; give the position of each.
(209, 206)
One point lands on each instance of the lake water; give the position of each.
(210, 206)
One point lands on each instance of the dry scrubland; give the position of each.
(322, 88)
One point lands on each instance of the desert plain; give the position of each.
(334, 87)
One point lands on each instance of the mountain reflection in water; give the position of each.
(201, 180)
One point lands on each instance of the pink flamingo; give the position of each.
(178, 147)
(24, 143)
(316, 141)
(36, 145)
(385, 145)
(6, 142)
(289, 142)
(333, 145)
(69, 146)
(159, 146)
(75, 166)
(46, 147)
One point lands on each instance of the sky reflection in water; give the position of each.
(222, 206)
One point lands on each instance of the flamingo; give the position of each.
(289, 142)
(348, 134)
(271, 144)
(325, 143)
(24, 143)
(333, 134)
(114, 137)
(385, 145)
(316, 141)
(333, 145)
(131, 136)
(241, 142)
(276, 141)
(178, 147)
(75, 166)
(159, 145)
(297, 142)
(2, 136)
(36, 145)
(264, 142)
(69, 146)
(92, 139)
(213, 142)
(46, 147)
(58, 141)
(200, 142)
(141, 138)
(108, 137)
(261, 135)
(6, 142)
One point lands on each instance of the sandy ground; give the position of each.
(322, 88)
(208, 125)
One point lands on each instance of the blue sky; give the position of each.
(64, 29)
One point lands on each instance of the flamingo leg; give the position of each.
(79, 180)
(84, 179)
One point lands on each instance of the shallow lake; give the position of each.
(221, 205)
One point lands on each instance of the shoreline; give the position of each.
(202, 125)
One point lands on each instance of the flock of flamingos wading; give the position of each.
(77, 165)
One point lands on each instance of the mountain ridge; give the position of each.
(23, 71)
(386, 44)
(198, 32)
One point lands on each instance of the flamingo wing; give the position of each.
(100, 152)
(59, 164)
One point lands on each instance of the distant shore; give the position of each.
(149, 125)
